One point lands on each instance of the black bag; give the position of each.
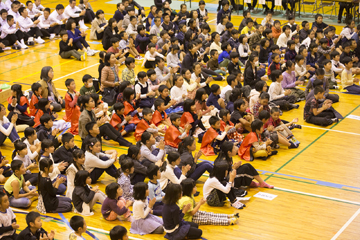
(109, 96)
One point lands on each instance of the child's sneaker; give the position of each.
(238, 205)
(293, 145)
(52, 36)
(233, 221)
(266, 185)
(335, 120)
(138, 57)
(273, 153)
(336, 87)
(236, 215)
(254, 184)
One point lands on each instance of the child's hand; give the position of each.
(237, 165)
(172, 102)
(223, 69)
(198, 80)
(62, 166)
(268, 142)
(295, 120)
(161, 145)
(14, 118)
(186, 208)
(198, 154)
(202, 201)
(95, 189)
(185, 169)
(270, 128)
(33, 165)
(208, 80)
(152, 126)
(287, 92)
(128, 118)
(139, 110)
(211, 107)
(55, 115)
(184, 96)
(128, 203)
(232, 175)
(152, 202)
(227, 128)
(356, 80)
(15, 226)
(13, 101)
(261, 108)
(54, 132)
(238, 125)
(51, 235)
(187, 127)
(299, 82)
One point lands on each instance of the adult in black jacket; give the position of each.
(110, 31)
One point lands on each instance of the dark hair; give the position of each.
(219, 170)
(19, 145)
(214, 88)
(66, 137)
(317, 16)
(263, 42)
(173, 156)
(107, 58)
(264, 95)
(126, 164)
(288, 65)
(185, 143)
(29, 131)
(42, 103)
(16, 165)
(76, 222)
(91, 143)
(118, 106)
(77, 154)
(31, 217)
(333, 54)
(157, 59)
(140, 191)
(225, 45)
(223, 112)
(286, 27)
(46, 143)
(174, 116)
(144, 138)
(326, 61)
(127, 93)
(319, 71)
(199, 93)
(158, 102)
(45, 119)
(18, 89)
(323, 41)
(317, 82)
(213, 120)
(266, 32)
(117, 232)
(259, 85)
(276, 74)
(152, 171)
(226, 147)
(80, 178)
(256, 125)
(264, 115)
(89, 126)
(318, 89)
(346, 60)
(290, 42)
(68, 82)
(312, 46)
(187, 186)
(98, 12)
(43, 163)
(249, 61)
(298, 58)
(69, 23)
(173, 194)
(35, 87)
(238, 103)
(111, 190)
(133, 151)
(59, 7)
(123, 85)
(113, 40)
(140, 28)
(187, 105)
(234, 55)
(147, 111)
(141, 75)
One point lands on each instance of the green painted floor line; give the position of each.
(312, 143)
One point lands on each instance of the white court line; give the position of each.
(318, 196)
(212, 20)
(333, 130)
(346, 225)
(76, 72)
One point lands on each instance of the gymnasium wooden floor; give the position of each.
(317, 185)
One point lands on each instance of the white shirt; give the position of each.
(300, 70)
(39, 8)
(220, 28)
(6, 221)
(172, 60)
(176, 93)
(216, 46)
(56, 170)
(151, 57)
(16, 15)
(44, 23)
(93, 161)
(4, 131)
(146, 153)
(283, 39)
(214, 183)
(306, 42)
(337, 69)
(70, 179)
(276, 91)
(263, 22)
(254, 98)
(3, 6)
(169, 176)
(347, 32)
(6, 29)
(156, 30)
(131, 29)
(33, 12)
(55, 17)
(224, 90)
(3, 21)
(140, 209)
(8, 4)
(25, 24)
(35, 153)
(242, 48)
(70, 12)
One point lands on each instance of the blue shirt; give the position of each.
(213, 100)
(223, 55)
(223, 13)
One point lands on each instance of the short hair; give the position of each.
(319, 72)
(326, 61)
(317, 16)
(89, 126)
(299, 57)
(274, 110)
(346, 60)
(158, 102)
(63, 32)
(266, 32)
(259, 85)
(234, 32)
(256, 125)
(286, 27)
(234, 55)
(162, 88)
(238, 103)
(146, 111)
(140, 28)
(313, 46)
(35, 87)
(141, 75)
(333, 54)
(214, 88)
(111, 190)
(118, 106)
(76, 222)
(346, 44)
(31, 217)
(158, 60)
(224, 3)
(263, 42)
(151, 171)
(67, 82)
(174, 117)
(140, 191)
(16, 165)
(323, 41)
(21, 10)
(59, 7)
(224, 46)
(46, 143)
(86, 78)
(45, 119)
(213, 120)
(66, 137)
(151, 45)
(117, 232)
(187, 186)
(249, 20)
(129, 60)
(291, 17)
(47, 10)
(275, 75)
(264, 115)
(290, 42)
(80, 178)
(213, 51)
(114, 40)
(303, 23)
(129, 9)
(318, 89)
(274, 47)
(132, 18)
(264, 95)
(229, 25)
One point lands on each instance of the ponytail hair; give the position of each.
(288, 65)
(82, 100)
(248, 63)
(172, 157)
(226, 147)
(44, 163)
(90, 143)
(18, 146)
(144, 138)
(183, 145)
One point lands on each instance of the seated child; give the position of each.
(130, 105)
(76, 165)
(46, 131)
(174, 134)
(301, 72)
(264, 51)
(153, 173)
(337, 66)
(254, 146)
(290, 53)
(119, 122)
(214, 98)
(213, 137)
(278, 95)
(178, 91)
(128, 74)
(160, 118)
(232, 134)
(142, 39)
(88, 87)
(115, 205)
(44, 112)
(20, 194)
(119, 55)
(324, 50)
(347, 79)
(261, 104)
(142, 87)
(118, 232)
(148, 152)
(98, 162)
(283, 129)
(190, 117)
(21, 153)
(149, 59)
(234, 65)
(77, 38)
(319, 113)
(36, 95)
(84, 197)
(72, 110)
(145, 124)
(67, 48)
(34, 229)
(240, 115)
(276, 30)
(201, 217)
(290, 82)
(7, 219)
(77, 223)
(18, 104)
(127, 168)
(213, 63)
(144, 222)
(320, 75)
(329, 75)
(224, 56)
(7, 128)
(48, 201)
(125, 44)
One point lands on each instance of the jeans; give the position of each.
(199, 170)
(23, 202)
(13, 134)
(220, 71)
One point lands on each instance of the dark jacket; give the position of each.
(80, 195)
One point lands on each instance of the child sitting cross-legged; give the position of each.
(201, 217)
(155, 191)
(191, 117)
(142, 87)
(320, 76)
(7, 219)
(290, 82)
(45, 109)
(347, 79)
(67, 48)
(239, 115)
(278, 95)
(84, 197)
(144, 221)
(283, 129)
(213, 137)
(254, 146)
(232, 134)
(119, 122)
(76, 165)
(160, 118)
(174, 134)
(145, 124)
(115, 206)
(34, 228)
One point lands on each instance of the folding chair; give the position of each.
(332, 5)
(314, 4)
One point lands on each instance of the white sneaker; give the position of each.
(84, 27)
(52, 36)
(39, 40)
(23, 46)
(90, 52)
(95, 51)
(7, 48)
